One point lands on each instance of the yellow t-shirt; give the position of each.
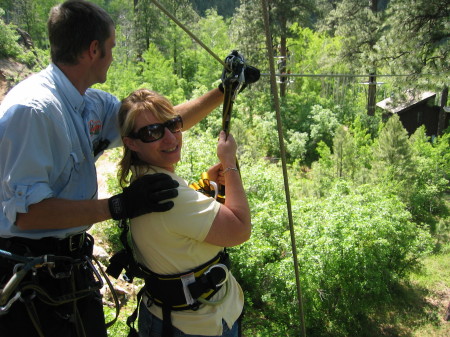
(172, 242)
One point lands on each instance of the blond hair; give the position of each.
(139, 101)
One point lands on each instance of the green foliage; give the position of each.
(355, 244)
(224, 8)
(163, 80)
(212, 30)
(317, 53)
(8, 39)
(296, 146)
(365, 197)
(426, 189)
(417, 41)
(323, 173)
(198, 155)
(392, 156)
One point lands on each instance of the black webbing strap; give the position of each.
(132, 318)
(124, 259)
(167, 330)
(169, 288)
(167, 291)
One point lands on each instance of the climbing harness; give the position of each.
(27, 282)
(177, 292)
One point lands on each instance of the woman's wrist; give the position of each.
(230, 168)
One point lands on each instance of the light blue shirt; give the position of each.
(48, 133)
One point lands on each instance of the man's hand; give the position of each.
(143, 196)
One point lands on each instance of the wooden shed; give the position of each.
(415, 110)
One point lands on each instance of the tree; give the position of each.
(417, 40)
(393, 165)
(282, 14)
(247, 33)
(360, 23)
(344, 151)
(224, 8)
(427, 188)
(30, 16)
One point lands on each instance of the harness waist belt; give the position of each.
(206, 280)
(48, 245)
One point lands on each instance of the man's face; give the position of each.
(105, 58)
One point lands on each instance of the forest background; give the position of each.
(369, 202)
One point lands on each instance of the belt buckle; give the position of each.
(219, 265)
(75, 242)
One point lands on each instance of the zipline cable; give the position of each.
(276, 102)
(350, 75)
(174, 19)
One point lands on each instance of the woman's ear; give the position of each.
(129, 143)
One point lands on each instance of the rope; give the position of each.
(174, 19)
(283, 160)
(350, 75)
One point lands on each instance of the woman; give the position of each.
(189, 239)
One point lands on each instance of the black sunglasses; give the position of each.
(153, 132)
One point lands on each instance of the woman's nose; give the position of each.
(168, 135)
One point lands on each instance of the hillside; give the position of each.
(11, 72)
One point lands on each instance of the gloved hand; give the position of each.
(144, 196)
(237, 73)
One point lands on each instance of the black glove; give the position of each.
(144, 196)
(237, 73)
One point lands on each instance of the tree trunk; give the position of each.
(283, 54)
(442, 112)
(371, 95)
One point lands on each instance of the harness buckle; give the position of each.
(76, 241)
(225, 269)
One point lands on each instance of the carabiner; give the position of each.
(219, 265)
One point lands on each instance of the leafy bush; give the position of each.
(432, 168)
(353, 246)
(8, 39)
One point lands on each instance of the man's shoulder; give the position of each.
(34, 92)
(100, 95)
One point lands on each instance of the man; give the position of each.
(53, 127)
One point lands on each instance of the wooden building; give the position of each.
(415, 110)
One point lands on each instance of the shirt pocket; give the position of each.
(66, 186)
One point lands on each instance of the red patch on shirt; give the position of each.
(95, 126)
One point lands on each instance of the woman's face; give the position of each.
(164, 152)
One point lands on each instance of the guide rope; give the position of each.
(276, 102)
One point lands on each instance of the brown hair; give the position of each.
(138, 102)
(73, 25)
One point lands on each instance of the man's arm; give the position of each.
(150, 193)
(56, 213)
(195, 110)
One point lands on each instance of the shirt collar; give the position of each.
(66, 88)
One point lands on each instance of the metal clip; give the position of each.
(5, 309)
(219, 265)
(95, 271)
